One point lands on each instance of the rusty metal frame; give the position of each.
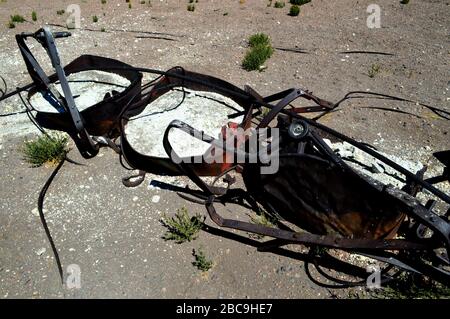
(424, 216)
(107, 120)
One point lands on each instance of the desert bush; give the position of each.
(201, 262)
(260, 51)
(182, 227)
(45, 149)
(255, 58)
(259, 39)
(17, 18)
(294, 11)
(374, 70)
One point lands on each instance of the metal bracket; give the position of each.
(88, 148)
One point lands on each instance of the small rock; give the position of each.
(155, 199)
(39, 252)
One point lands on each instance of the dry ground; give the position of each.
(114, 233)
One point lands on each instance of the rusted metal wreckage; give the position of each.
(314, 189)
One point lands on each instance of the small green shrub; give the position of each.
(103, 1)
(374, 70)
(294, 11)
(103, 30)
(11, 25)
(129, 6)
(260, 51)
(279, 4)
(182, 227)
(17, 18)
(259, 39)
(95, 19)
(142, 2)
(201, 262)
(255, 58)
(404, 1)
(262, 219)
(191, 7)
(46, 149)
(60, 12)
(34, 16)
